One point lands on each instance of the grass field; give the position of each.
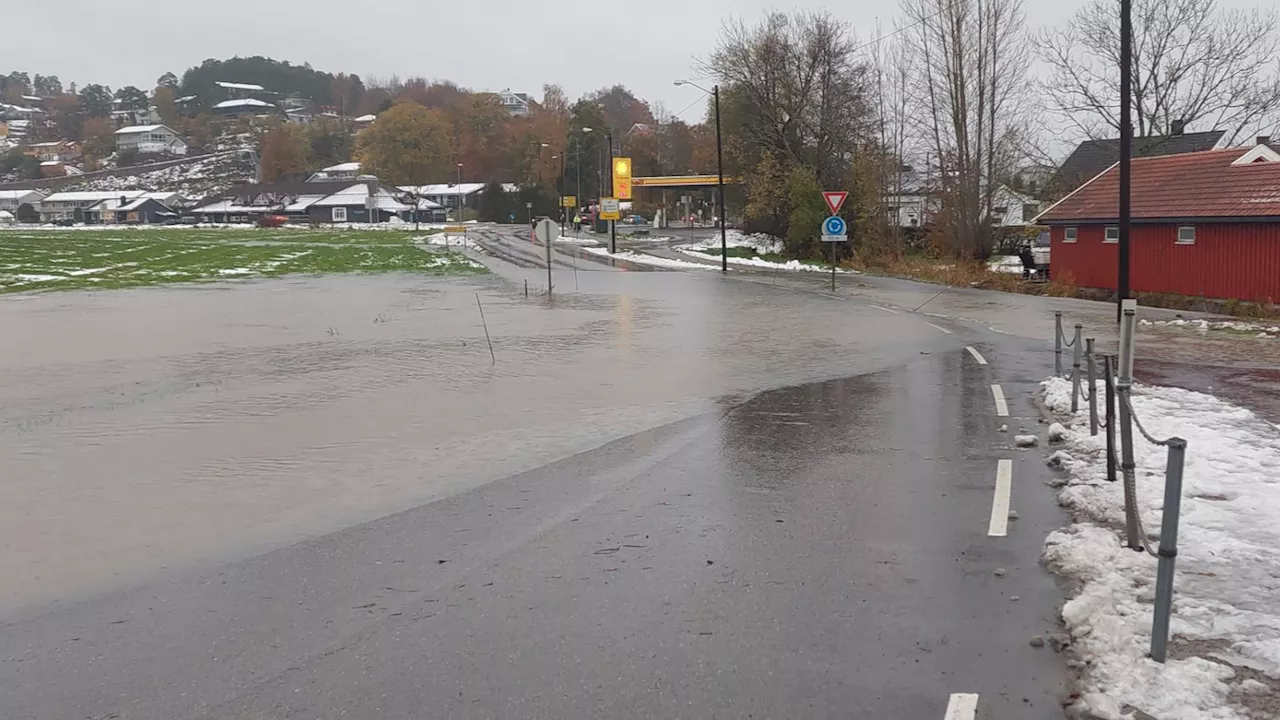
(80, 259)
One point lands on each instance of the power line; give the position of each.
(921, 21)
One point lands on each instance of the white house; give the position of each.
(63, 205)
(515, 103)
(150, 139)
(11, 200)
(1010, 208)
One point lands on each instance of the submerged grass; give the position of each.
(77, 260)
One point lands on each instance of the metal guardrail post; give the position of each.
(1168, 548)
(1109, 381)
(1093, 388)
(1124, 382)
(1057, 344)
(1075, 369)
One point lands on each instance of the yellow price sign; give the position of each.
(622, 178)
(569, 201)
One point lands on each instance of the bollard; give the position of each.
(1057, 344)
(1075, 370)
(1109, 381)
(1168, 548)
(1093, 388)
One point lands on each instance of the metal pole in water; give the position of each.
(1168, 548)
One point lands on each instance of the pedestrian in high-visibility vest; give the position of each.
(577, 222)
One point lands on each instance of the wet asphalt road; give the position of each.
(819, 549)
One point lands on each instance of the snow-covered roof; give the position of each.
(143, 129)
(343, 167)
(135, 203)
(441, 189)
(6, 215)
(246, 102)
(239, 86)
(50, 163)
(303, 202)
(91, 195)
(186, 98)
(357, 194)
(16, 194)
(55, 143)
(365, 118)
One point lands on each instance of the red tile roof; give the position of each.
(1201, 185)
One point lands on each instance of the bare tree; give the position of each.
(1192, 63)
(798, 88)
(969, 90)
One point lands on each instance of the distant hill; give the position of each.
(278, 78)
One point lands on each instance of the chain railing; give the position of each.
(1119, 413)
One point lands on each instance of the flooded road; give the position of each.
(162, 428)
(668, 494)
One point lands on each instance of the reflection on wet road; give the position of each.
(818, 550)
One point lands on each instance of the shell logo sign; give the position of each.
(622, 178)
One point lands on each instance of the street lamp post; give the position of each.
(458, 204)
(577, 162)
(613, 224)
(724, 240)
(1126, 149)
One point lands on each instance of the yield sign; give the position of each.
(835, 199)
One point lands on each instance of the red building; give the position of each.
(1204, 224)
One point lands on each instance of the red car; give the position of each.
(272, 221)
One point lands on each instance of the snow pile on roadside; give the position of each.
(1259, 329)
(1228, 566)
(788, 265)
(653, 260)
(571, 240)
(759, 242)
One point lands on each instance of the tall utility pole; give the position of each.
(1126, 146)
(724, 239)
(722, 212)
(613, 225)
(459, 189)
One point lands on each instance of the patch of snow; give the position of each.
(570, 240)
(1026, 440)
(1228, 555)
(1005, 264)
(653, 260)
(1057, 432)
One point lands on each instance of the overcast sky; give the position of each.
(481, 44)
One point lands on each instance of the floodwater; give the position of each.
(173, 428)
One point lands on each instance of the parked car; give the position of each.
(634, 220)
(272, 221)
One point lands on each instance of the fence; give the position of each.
(1117, 376)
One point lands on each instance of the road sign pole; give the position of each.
(833, 267)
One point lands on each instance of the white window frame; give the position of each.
(1179, 240)
(1106, 235)
(1070, 234)
(339, 214)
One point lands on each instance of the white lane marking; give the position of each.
(935, 327)
(962, 706)
(976, 355)
(999, 525)
(891, 312)
(996, 329)
(1002, 407)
